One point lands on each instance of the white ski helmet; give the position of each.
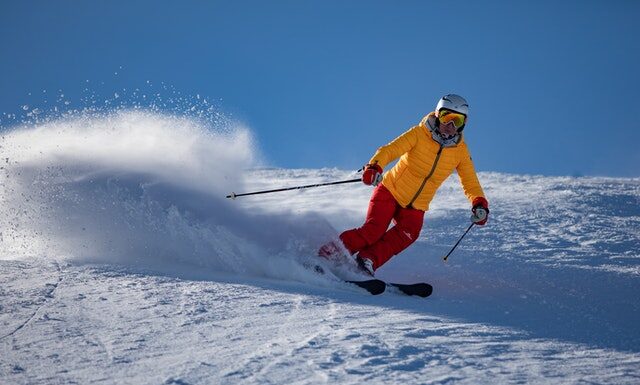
(453, 102)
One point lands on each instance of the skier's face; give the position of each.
(450, 122)
(448, 129)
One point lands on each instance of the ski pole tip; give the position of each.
(232, 196)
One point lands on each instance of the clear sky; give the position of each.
(553, 85)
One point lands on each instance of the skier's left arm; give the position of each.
(473, 189)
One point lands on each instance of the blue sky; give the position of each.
(553, 85)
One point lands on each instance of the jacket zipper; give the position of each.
(433, 169)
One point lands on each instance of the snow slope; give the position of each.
(122, 262)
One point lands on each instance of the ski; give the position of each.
(373, 286)
(377, 286)
(419, 289)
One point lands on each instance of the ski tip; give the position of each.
(425, 291)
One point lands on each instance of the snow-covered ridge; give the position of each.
(100, 187)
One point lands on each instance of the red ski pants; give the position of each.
(373, 240)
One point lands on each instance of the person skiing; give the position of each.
(429, 152)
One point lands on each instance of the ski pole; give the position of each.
(234, 195)
(457, 243)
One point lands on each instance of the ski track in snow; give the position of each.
(47, 294)
(112, 273)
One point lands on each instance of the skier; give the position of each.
(429, 153)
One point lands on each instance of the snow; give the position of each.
(122, 262)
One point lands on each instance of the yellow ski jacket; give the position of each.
(424, 164)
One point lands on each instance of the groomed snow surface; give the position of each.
(122, 262)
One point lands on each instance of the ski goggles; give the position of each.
(446, 116)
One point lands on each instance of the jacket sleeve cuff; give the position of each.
(480, 201)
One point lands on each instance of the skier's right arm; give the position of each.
(389, 152)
